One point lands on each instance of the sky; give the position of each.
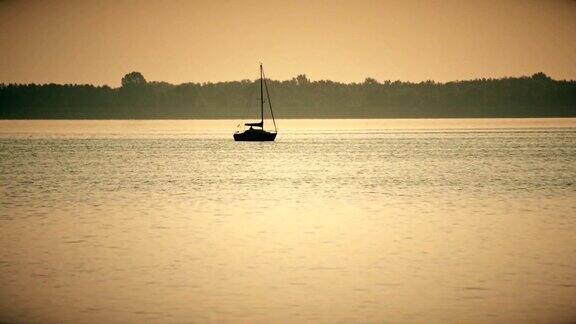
(97, 42)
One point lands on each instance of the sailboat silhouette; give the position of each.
(256, 132)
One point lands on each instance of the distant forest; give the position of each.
(535, 96)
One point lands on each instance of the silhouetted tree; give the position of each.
(302, 79)
(540, 76)
(133, 79)
(371, 81)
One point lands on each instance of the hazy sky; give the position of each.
(179, 41)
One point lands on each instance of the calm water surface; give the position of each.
(464, 221)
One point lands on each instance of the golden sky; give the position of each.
(180, 41)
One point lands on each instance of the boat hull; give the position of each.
(261, 136)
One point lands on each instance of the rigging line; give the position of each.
(269, 102)
(261, 97)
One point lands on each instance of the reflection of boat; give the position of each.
(256, 132)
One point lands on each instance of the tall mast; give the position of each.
(261, 98)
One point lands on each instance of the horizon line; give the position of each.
(381, 82)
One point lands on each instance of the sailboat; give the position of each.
(255, 131)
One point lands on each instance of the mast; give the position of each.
(261, 98)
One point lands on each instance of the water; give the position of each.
(396, 221)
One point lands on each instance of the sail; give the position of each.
(258, 124)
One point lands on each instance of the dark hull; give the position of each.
(260, 136)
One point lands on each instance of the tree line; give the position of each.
(534, 96)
